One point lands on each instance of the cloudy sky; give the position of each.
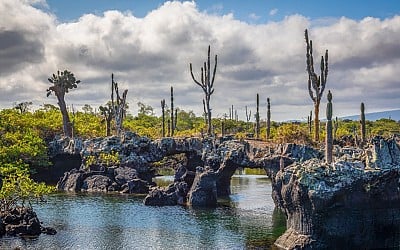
(148, 45)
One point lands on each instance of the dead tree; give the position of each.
(119, 105)
(207, 84)
(316, 84)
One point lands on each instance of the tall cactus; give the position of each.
(223, 127)
(362, 122)
(172, 111)
(163, 117)
(268, 118)
(62, 83)
(310, 123)
(258, 118)
(316, 84)
(207, 84)
(248, 117)
(176, 119)
(335, 127)
(328, 138)
(169, 127)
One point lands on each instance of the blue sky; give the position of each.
(257, 11)
(148, 45)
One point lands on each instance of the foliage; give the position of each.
(104, 159)
(22, 150)
(18, 188)
(293, 133)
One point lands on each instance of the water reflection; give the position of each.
(246, 220)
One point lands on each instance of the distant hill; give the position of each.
(392, 114)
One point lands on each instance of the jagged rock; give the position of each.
(174, 194)
(22, 221)
(71, 181)
(135, 186)
(203, 192)
(344, 205)
(96, 183)
(124, 174)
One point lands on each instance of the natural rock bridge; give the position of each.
(352, 203)
(215, 160)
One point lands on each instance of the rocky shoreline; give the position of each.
(353, 202)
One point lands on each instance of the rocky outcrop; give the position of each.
(203, 192)
(351, 204)
(22, 221)
(174, 194)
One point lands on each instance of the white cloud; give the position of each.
(149, 54)
(273, 12)
(254, 17)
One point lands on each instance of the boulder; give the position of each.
(22, 221)
(96, 183)
(71, 181)
(124, 174)
(135, 186)
(203, 192)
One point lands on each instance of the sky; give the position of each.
(148, 45)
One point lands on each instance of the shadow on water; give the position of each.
(247, 220)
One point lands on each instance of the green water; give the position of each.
(247, 220)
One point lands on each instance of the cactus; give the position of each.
(335, 127)
(169, 128)
(310, 123)
(362, 122)
(163, 117)
(107, 113)
(268, 118)
(62, 83)
(257, 116)
(316, 83)
(328, 138)
(172, 112)
(207, 84)
(175, 118)
(248, 117)
(223, 128)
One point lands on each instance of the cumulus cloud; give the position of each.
(273, 12)
(148, 55)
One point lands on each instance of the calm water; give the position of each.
(245, 221)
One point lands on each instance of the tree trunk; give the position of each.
(66, 122)
(316, 121)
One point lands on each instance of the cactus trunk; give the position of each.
(316, 122)
(163, 117)
(172, 111)
(328, 138)
(362, 121)
(268, 118)
(258, 118)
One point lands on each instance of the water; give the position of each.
(245, 221)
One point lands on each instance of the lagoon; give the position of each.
(247, 220)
